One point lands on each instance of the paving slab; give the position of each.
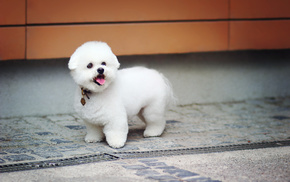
(52, 137)
(271, 164)
(45, 137)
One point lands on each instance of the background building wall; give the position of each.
(48, 29)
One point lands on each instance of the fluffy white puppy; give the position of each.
(108, 97)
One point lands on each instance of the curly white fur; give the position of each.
(119, 95)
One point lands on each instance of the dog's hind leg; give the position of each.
(155, 120)
(94, 133)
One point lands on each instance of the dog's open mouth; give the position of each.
(100, 79)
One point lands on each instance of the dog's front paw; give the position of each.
(116, 145)
(90, 138)
(116, 140)
(153, 132)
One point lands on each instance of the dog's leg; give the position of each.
(94, 133)
(116, 134)
(155, 121)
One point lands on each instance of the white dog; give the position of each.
(108, 97)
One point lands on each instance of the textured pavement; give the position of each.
(271, 164)
(39, 138)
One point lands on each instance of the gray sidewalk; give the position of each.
(40, 138)
(270, 164)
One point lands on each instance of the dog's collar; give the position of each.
(86, 93)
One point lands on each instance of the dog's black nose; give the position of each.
(100, 70)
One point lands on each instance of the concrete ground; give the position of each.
(270, 164)
(31, 139)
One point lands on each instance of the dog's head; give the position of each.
(93, 66)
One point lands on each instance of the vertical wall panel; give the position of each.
(64, 11)
(128, 39)
(12, 43)
(260, 35)
(259, 9)
(12, 12)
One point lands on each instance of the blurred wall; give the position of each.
(48, 29)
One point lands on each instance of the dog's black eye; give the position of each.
(104, 63)
(90, 65)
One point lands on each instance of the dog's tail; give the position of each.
(171, 99)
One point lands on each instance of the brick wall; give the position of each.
(34, 29)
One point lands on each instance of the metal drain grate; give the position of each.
(137, 154)
(57, 163)
(200, 150)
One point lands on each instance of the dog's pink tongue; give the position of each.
(101, 81)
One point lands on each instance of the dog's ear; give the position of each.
(72, 64)
(117, 62)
